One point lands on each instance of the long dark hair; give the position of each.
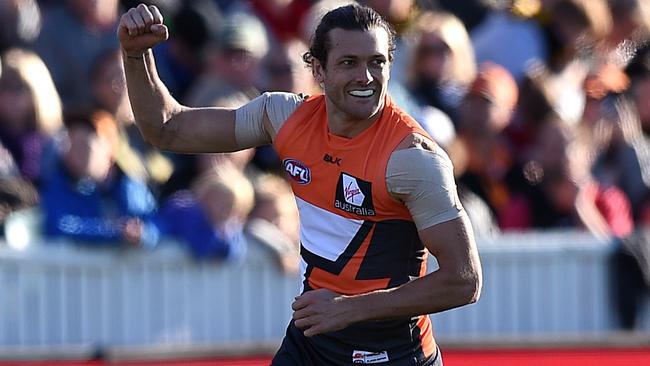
(349, 17)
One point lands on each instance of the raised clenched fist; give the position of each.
(141, 28)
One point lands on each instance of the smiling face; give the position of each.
(355, 76)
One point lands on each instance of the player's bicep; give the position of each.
(423, 179)
(447, 241)
(200, 130)
(452, 243)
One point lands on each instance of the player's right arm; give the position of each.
(162, 120)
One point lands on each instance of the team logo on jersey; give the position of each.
(365, 357)
(354, 195)
(297, 171)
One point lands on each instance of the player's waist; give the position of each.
(396, 341)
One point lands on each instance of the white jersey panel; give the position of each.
(324, 233)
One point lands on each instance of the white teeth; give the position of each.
(362, 93)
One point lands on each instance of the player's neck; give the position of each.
(343, 125)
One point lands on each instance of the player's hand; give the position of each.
(320, 311)
(141, 28)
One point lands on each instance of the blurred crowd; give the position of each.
(542, 105)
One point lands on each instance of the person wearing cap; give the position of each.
(233, 63)
(374, 192)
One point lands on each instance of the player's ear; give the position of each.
(318, 71)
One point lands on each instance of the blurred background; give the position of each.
(114, 252)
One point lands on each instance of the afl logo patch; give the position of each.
(297, 171)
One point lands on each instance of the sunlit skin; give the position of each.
(357, 61)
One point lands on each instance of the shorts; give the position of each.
(296, 351)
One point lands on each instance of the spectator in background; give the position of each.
(284, 70)
(602, 81)
(210, 217)
(630, 30)
(523, 179)
(74, 34)
(483, 220)
(30, 110)
(535, 107)
(630, 262)
(613, 123)
(273, 224)
(282, 17)
(509, 37)
(134, 156)
(109, 86)
(86, 197)
(470, 12)
(20, 23)
(639, 91)
(572, 197)
(485, 112)
(315, 14)
(182, 59)
(15, 192)
(399, 13)
(190, 166)
(233, 68)
(623, 158)
(574, 30)
(442, 66)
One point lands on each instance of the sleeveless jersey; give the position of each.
(355, 237)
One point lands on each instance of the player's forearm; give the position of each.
(151, 102)
(432, 293)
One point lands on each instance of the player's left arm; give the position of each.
(446, 232)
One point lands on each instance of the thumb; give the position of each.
(159, 30)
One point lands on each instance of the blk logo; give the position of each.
(332, 160)
(297, 171)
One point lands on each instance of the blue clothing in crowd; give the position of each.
(181, 217)
(93, 212)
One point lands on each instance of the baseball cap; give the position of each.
(496, 84)
(242, 31)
